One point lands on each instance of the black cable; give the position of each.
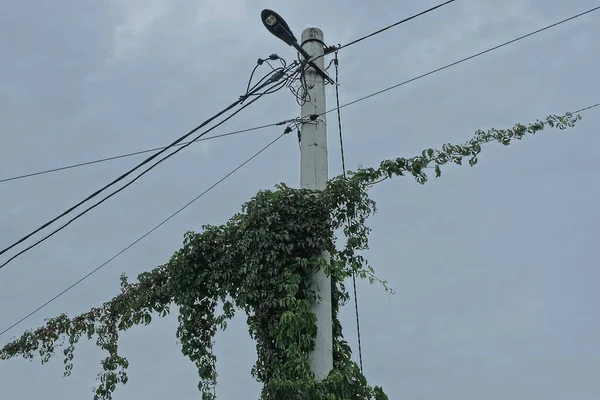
(120, 189)
(260, 60)
(261, 83)
(395, 24)
(331, 49)
(280, 85)
(586, 108)
(274, 78)
(339, 115)
(339, 118)
(138, 152)
(142, 237)
(463, 60)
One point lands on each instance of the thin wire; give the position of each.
(339, 118)
(586, 108)
(395, 24)
(120, 189)
(260, 62)
(141, 237)
(573, 112)
(339, 115)
(252, 74)
(464, 59)
(261, 83)
(146, 161)
(137, 153)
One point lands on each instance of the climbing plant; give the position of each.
(260, 262)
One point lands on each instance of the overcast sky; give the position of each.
(495, 267)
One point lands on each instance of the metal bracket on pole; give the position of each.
(315, 121)
(308, 58)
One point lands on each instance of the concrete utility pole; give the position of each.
(314, 175)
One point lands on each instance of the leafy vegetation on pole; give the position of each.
(260, 262)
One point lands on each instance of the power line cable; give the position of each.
(395, 24)
(462, 60)
(332, 49)
(141, 237)
(571, 112)
(120, 189)
(274, 78)
(586, 108)
(135, 153)
(339, 118)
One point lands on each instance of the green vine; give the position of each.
(260, 262)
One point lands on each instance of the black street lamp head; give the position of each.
(278, 27)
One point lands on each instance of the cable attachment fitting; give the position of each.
(311, 119)
(272, 57)
(331, 49)
(277, 76)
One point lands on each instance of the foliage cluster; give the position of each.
(260, 262)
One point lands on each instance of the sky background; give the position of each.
(494, 267)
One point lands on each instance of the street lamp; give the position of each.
(278, 27)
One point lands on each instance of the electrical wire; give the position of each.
(275, 77)
(139, 152)
(331, 49)
(586, 108)
(339, 118)
(283, 69)
(395, 24)
(120, 189)
(141, 237)
(260, 62)
(462, 60)
(572, 112)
